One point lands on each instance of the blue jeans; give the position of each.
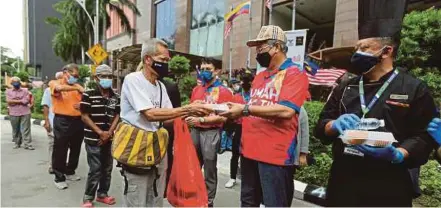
(271, 185)
(100, 170)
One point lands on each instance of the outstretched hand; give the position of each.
(234, 112)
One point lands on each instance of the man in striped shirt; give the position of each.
(100, 112)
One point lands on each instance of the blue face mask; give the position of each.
(72, 80)
(206, 76)
(16, 85)
(106, 83)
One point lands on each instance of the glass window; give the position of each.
(207, 27)
(166, 21)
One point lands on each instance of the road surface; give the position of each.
(25, 181)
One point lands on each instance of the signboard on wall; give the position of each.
(296, 42)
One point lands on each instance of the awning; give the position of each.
(339, 57)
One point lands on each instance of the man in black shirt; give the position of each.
(100, 112)
(361, 175)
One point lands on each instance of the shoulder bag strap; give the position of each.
(161, 124)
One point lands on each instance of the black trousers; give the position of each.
(68, 135)
(100, 163)
(235, 150)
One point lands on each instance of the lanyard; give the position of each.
(365, 108)
(246, 97)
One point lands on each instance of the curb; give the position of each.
(310, 193)
(37, 122)
(306, 192)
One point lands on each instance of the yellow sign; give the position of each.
(93, 69)
(97, 54)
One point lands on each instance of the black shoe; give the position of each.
(29, 148)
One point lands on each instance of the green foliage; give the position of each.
(84, 73)
(186, 85)
(179, 66)
(314, 108)
(421, 39)
(430, 183)
(316, 174)
(420, 47)
(38, 95)
(8, 69)
(74, 29)
(92, 84)
(24, 76)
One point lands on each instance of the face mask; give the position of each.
(106, 83)
(161, 69)
(263, 59)
(236, 88)
(16, 85)
(206, 76)
(363, 62)
(72, 80)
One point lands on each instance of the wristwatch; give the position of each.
(246, 110)
(201, 120)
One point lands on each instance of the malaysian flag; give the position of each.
(227, 29)
(269, 4)
(326, 77)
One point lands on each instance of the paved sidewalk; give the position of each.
(25, 181)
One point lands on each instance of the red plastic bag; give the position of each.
(186, 187)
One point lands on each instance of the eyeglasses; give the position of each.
(259, 50)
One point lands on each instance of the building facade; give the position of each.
(38, 52)
(197, 26)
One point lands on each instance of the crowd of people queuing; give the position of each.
(265, 113)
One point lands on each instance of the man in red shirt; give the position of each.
(270, 123)
(206, 130)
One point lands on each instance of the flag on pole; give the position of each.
(243, 8)
(326, 77)
(227, 29)
(269, 4)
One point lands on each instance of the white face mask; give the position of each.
(236, 88)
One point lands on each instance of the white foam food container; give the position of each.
(371, 138)
(219, 108)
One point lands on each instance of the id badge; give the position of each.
(352, 151)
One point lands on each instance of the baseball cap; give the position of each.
(103, 69)
(268, 32)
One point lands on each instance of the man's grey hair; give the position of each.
(150, 47)
(58, 75)
(70, 67)
(15, 79)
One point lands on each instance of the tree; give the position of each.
(74, 29)
(420, 47)
(179, 66)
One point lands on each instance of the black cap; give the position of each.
(380, 18)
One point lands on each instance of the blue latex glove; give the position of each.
(434, 129)
(345, 122)
(388, 153)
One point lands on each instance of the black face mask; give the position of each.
(161, 69)
(363, 62)
(263, 59)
